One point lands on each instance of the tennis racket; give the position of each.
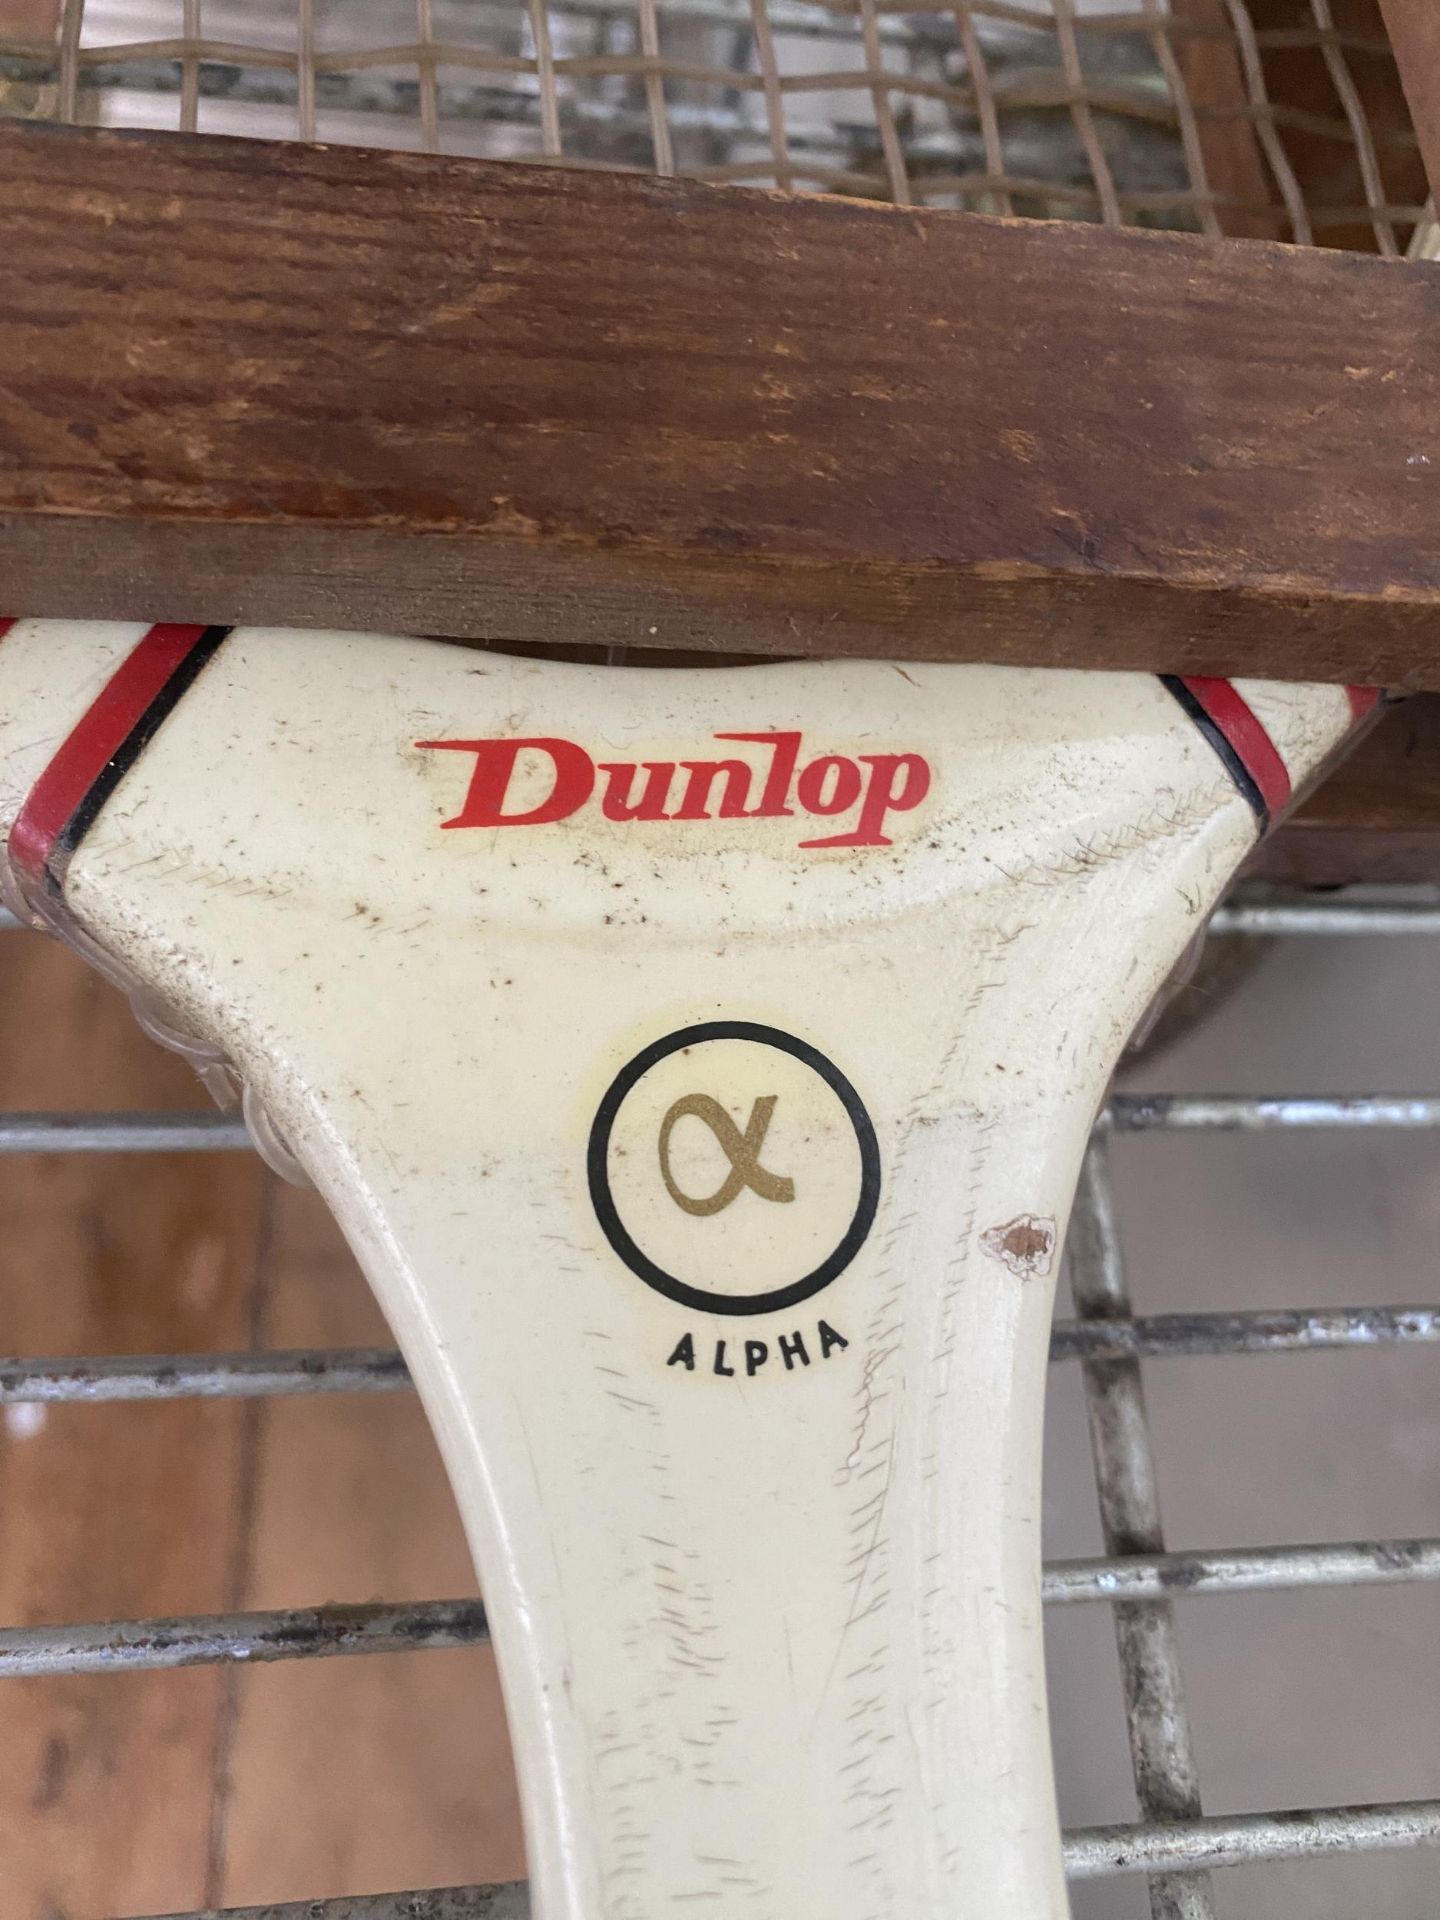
(700, 1064)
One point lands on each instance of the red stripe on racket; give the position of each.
(1238, 723)
(103, 746)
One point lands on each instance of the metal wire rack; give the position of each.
(1138, 1577)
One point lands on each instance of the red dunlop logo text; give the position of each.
(868, 788)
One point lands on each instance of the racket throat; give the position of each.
(709, 1152)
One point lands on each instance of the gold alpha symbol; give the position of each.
(742, 1150)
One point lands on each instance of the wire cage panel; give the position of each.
(1139, 1578)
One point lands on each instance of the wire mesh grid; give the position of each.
(1278, 118)
(1139, 1575)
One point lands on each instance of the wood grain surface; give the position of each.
(1235, 169)
(1414, 28)
(1313, 123)
(163, 1792)
(401, 1764)
(109, 1512)
(341, 387)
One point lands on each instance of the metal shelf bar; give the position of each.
(206, 1640)
(122, 1133)
(86, 1379)
(93, 1378)
(307, 1633)
(1162, 1752)
(1127, 1113)
(1091, 1853)
(1239, 1840)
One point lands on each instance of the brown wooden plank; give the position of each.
(1214, 75)
(1414, 27)
(276, 382)
(1314, 127)
(348, 1775)
(29, 22)
(111, 1511)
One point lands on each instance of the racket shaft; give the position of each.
(700, 1065)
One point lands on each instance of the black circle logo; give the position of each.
(776, 1176)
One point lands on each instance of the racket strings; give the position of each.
(1280, 119)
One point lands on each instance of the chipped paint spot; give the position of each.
(1026, 1245)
